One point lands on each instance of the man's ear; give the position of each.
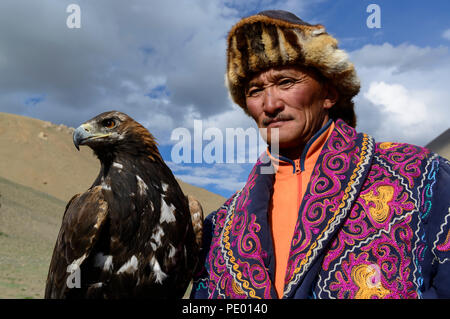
(331, 96)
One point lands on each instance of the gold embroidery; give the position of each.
(387, 145)
(237, 290)
(367, 278)
(380, 212)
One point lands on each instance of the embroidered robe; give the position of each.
(374, 223)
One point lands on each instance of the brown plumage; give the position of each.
(131, 233)
(195, 208)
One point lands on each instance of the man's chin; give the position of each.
(280, 142)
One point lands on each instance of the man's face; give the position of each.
(292, 100)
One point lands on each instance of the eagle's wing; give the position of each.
(83, 218)
(196, 210)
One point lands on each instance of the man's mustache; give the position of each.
(280, 117)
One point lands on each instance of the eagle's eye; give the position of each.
(108, 123)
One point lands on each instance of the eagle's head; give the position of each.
(112, 132)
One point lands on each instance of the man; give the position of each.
(340, 216)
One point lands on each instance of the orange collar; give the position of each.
(286, 166)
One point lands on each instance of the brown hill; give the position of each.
(29, 224)
(41, 155)
(441, 144)
(40, 170)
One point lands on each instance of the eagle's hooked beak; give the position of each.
(83, 133)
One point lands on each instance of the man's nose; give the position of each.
(272, 103)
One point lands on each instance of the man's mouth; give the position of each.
(276, 122)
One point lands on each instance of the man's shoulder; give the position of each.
(404, 154)
(385, 148)
(401, 152)
(406, 149)
(221, 211)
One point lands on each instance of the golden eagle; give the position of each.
(132, 234)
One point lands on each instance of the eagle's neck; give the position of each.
(136, 153)
(128, 163)
(138, 144)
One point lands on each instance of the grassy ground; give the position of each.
(29, 223)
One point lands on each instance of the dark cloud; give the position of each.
(108, 62)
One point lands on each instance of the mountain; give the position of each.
(40, 170)
(441, 144)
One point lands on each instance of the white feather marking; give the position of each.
(104, 262)
(130, 266)
(106, 187)
(157, 236)
(117, 165)
(142, 187)
(172, 251)
(160, 275)
(96, 285)
(165, 187)
(167, 214)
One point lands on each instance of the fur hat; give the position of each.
(277, 38)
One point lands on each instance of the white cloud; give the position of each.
(446, 34)
(404, 92)
(398, 102)
(121, 50)
(403, 111)
(402, 58)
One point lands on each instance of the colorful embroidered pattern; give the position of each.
(445, 245)
(370, 226)
(377, 232)
(421, 245)
(326, 201)
(238, 242)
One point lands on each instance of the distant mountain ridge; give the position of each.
(41, 155)
(441, 144)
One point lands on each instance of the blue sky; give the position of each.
(163, 63)
(415, 22)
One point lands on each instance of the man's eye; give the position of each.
(286, 82)
(254, 91)
(109, 123)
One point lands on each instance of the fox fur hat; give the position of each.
(279, 38)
